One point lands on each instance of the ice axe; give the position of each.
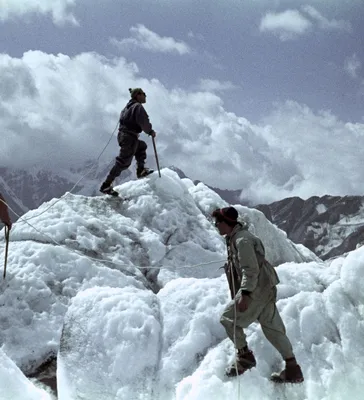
(156, 156)
(7, 236)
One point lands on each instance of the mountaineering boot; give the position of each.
(291, 374)
(107, 188)
(142, 172)
(244, 360)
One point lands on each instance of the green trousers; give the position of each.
(266, 313)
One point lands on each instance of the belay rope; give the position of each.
(235, 318)
(7, 236)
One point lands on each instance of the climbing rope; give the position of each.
(235, 318)
(104, 260)
(82, 177)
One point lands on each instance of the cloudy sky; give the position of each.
(264, 96)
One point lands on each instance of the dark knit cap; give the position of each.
(227, 214)
(134, 92)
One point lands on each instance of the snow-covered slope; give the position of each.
(329, 225)
(129, 295)
(14, 385)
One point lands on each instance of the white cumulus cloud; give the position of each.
(144, 38)
(290, 24)
(214, 85)
(58, 112)
(286, 25)
(58, 9)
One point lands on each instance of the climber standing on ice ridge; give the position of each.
(252, 282)
(133, 120)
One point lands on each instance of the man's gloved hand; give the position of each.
(153, 134)
(243, 301)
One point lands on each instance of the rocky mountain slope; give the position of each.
(328, 225)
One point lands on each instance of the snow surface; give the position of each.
(129, 296)
(321, 208)
(14, 385)
(342, 229)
